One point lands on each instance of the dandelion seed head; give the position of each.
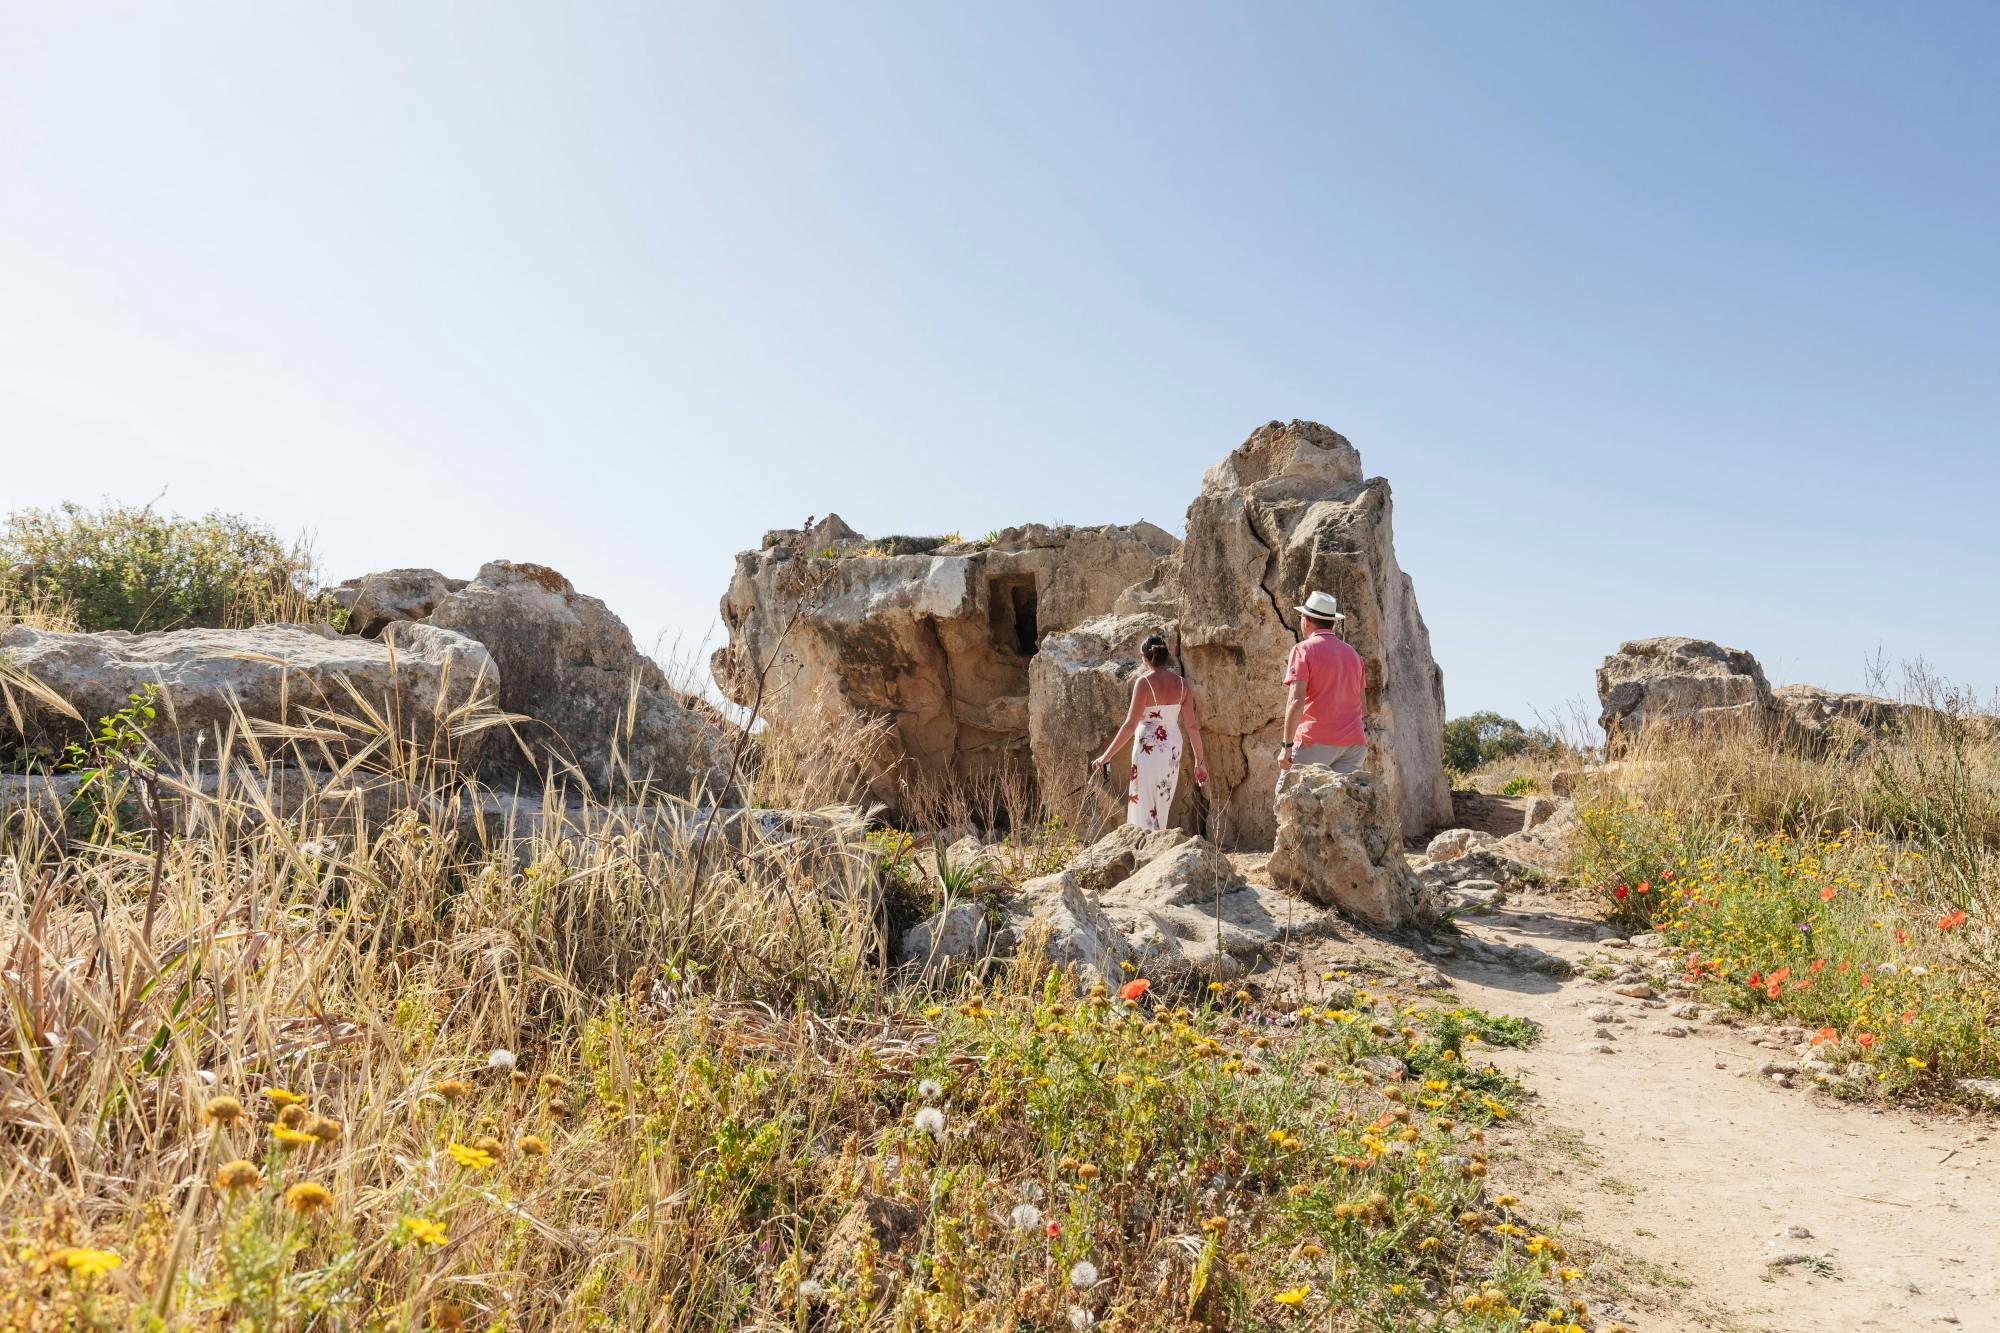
(931, 1121)
(500, 1058)
(1026, 1216)
(1080, 1318)
(930, 1090)
(1083, 1275)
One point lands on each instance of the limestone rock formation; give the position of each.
(280, 680)
(1169, 903)
(373, 602)
(977, 656)
(1681, 682)
(1337, 844)
(930, 640)
(1286, 513)
(593, 704)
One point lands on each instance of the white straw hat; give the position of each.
(1321, 606)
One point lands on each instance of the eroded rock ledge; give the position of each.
(1016, 654)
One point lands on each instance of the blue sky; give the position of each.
(1673, 318)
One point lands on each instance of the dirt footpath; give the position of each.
(1720, 1199)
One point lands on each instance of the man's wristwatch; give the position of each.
(1284, 745)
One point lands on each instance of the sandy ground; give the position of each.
(1702, 1194)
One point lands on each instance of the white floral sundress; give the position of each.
(1156, 766)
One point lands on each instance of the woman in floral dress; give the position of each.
(1162, 708)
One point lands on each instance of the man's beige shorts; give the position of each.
(1339, 758)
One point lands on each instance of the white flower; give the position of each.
(1026, 1216)
(1080, 1318)
(931, 1121)
(500, 1058)
(810, 1290)
(929, 1090)
(1084, 1275)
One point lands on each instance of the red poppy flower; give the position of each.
(1825, 1035)
(1864, 1040)
(1901, 936)
(1135, 988)
(1645, 886)
(1867, 980)
(1756, 979)
(1620, 894)
(1826, 894)
(1819, 964)
(1951, 919)
(1771, 992)
(1841, 966)
(1779, 976)
(1054, 1230)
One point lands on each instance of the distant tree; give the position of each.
(130, 568)
(1478, 739)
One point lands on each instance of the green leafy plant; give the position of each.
(130, 568)
(115, 754)
(1480, 738)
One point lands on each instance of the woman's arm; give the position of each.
(1124, 735)
(1191, 722)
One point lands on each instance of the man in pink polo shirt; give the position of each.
(1324, 703)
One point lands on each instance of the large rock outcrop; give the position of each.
(376, 601)
(978, 656)
(1683, 683)
(590, 703)
(1288, 512)
(1338, 844)
(302, 688)
(930, 641)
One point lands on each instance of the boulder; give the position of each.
(586, 700)
(1169, 902)
(1189, 871)
(959, 934)
(1112, 859)
(1337, 844)
(376, 601)
(1286, 513)
(1494, 861)
(1455, 842)
(1680, 682)
(1541, 809)
(1072, 929)
(305, 688)
(1820, 721)
(1221, 939)
(928, 640)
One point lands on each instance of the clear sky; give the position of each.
(1660, 318)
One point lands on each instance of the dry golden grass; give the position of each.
(394, 1054)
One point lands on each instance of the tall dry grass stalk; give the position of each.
(361, 935)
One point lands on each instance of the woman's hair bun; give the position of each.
(1154, 650)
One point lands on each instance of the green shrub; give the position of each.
(128, 567)
(1480, 738)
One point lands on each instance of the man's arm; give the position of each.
(1295, 708)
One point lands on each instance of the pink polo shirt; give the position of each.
(1333, 677)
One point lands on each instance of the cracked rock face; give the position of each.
(589, 699)
(1680, 682)
(975, 658)
(928, 641)
(1286, 513)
